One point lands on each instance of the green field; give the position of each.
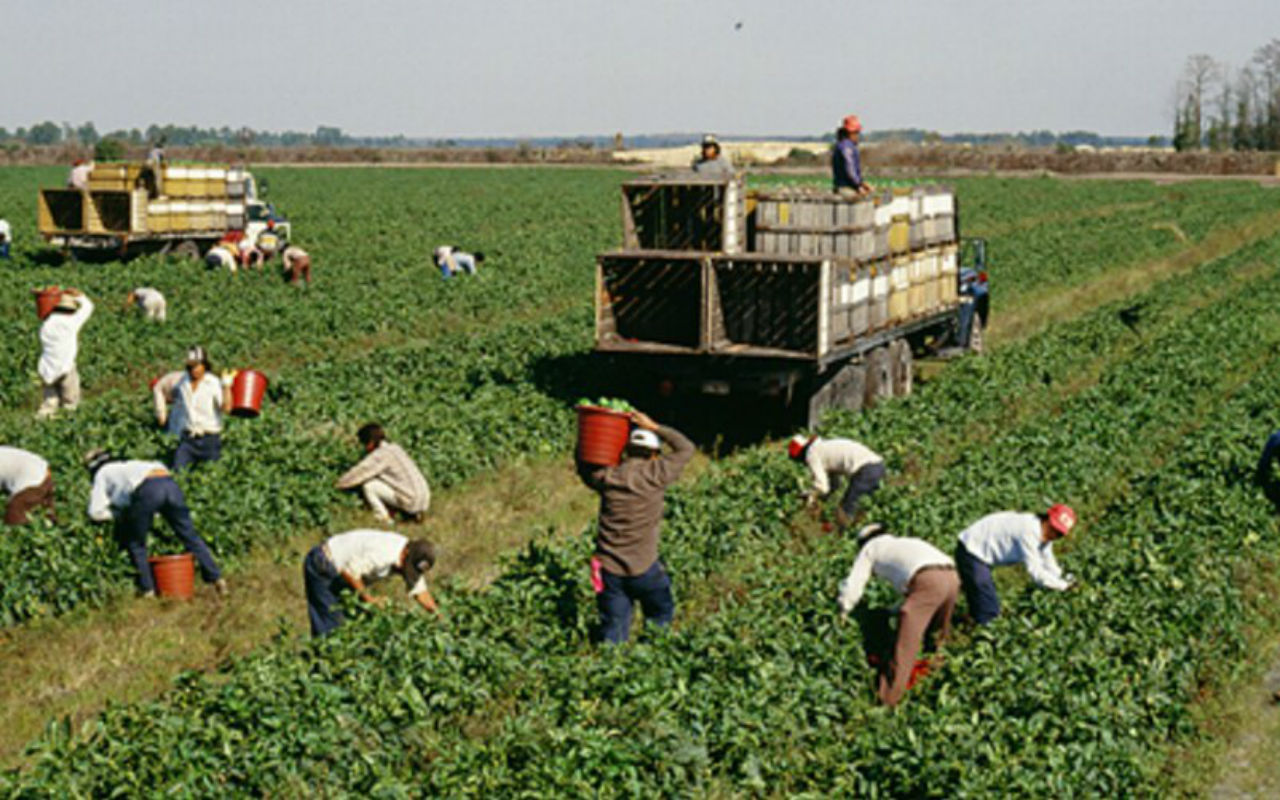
(1149, 431)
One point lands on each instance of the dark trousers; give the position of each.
(162, 496)
(323, 583)
(979, 588)
(1269, 452)
(652, 590)
(192, 449)
(861, 483)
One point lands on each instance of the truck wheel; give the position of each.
(903, 367)
(976, 335)
(853, 387)
(879, 377)
(188, 249)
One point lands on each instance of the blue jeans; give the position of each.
(979, 588)
(465, 262)
(4, 250)
(323, 583)
(162, 496)
(194, 449)
(1269, 452)
(861, 483)
(652, 590)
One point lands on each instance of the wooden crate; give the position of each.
(685, 213)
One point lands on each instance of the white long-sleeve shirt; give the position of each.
(114, 484)
(370, 555)
(826, 457)
(201, 404)
(60, 340)
(162, 394)
(1012, 537)
(152, 302)
(20, 470)
(895, 559)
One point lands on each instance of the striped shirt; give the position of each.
(390, 464)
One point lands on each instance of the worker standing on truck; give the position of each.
(710, 159)
(6, 237)
(387, 477)
(926, 578)
(133, 492)
(828, 461)
(79, 177)
(26, 478)
(201, 399)
(59, 346)
(626, 568)
(149, 302)
(846, 159)
(1010, 537)
(354, 559)
(451, 259)
(297, 264)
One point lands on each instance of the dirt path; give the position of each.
(1249, 768)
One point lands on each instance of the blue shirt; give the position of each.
(846, 165)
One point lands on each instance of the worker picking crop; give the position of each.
(387, 477)
(830, 460)
(451, 259)
(296, 264)
(149, 302)
(6, 238)
(355, 559)
(626, 568)
(846, 159)
(28, 481)
(711, 160)
(59, 346)
(925, 577)
(1011, 537)
(200, 398)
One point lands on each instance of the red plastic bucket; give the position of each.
(175, 575)
(602, 435)
(246, 393)
(46, 300)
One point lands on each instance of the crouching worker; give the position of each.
(387, 477)
(149, 302)
(626, 568)
(1010, 537)
(26, 478)
(355, 559)
(926, 578)
(132, 493)
(828, 461)
(451, 260)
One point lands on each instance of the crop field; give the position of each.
(1149, 428)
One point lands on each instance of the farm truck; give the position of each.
(814, 299)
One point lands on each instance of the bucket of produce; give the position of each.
(246, 393)
(175, 575)
(46, 299)
(603, 428)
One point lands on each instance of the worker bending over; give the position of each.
(26, 478)
(1010, 537)
(846, 159)
(927, 580)
(297, 264)
(710, 159)
(223, 255)
(828, 461)
(149, 302)
(59, 346)
(133, 492)
(450, 260)
(200, 399)
(626, 568)
(355, 559)
(6, 238)
(387, 477)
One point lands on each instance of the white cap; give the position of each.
(643, 438)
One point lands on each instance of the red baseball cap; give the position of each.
(852, 124)
(797, 444)
(1061, 518)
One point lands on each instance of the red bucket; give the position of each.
(602, 435)
(46, 300)
(175, 575)
(246, 393)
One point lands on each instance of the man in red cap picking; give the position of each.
(828, 461)
(846, 161)
(1011, 537)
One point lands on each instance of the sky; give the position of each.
(470, 68)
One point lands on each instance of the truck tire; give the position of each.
(852, 390)
(187, 249)
(903, 365)
(977, 335)
(845, 389)
(879, 378)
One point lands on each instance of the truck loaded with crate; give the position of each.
(135, 208)
(816, 299)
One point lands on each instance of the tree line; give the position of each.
(87, 135)
(1218, 109)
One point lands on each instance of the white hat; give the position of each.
(870, 532)
(643, 438)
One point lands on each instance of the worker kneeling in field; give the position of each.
(149, 302)
(133, 492)
(926, 578)
(828, 461)
(1010, 537)
(354, 559)
(387, 477)
(200, 399)
(626, 568)
(26, 478)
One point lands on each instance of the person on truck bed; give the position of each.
(451, 259)
(387, 477)
(926, 578)
(710, 160)
(26, 478)
(296, 264)
(626, 568)
(354, 559)
(828, 461)
(149, 302)
(200, 399)
(79, 176)
(1009, 537)
(846, 160)
(59, 346)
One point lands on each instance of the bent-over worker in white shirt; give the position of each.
(26, 478)
(927, 579)
(150, 302)
(59, 346)
(1010, 537)
(829, 460)
(354, 559)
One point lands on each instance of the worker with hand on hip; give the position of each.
(1010, 537)
(201, 399)
(828, 461)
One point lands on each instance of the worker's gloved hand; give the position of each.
(229, 375)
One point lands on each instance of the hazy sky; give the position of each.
(562, 67)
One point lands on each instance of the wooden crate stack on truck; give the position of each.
(816, 299)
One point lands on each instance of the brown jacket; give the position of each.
(390, 464)
(632, 496)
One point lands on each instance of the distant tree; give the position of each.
(87, 134)
(109, 150)
(45, 133)
(328, 136)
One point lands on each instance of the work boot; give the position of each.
(149, 594)
(220, 586)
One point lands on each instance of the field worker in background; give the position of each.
(201, 399)
(6, 238)
(26, 478)
(926, 578)
(133, 492)
(451, 260)
(149, 302)
(59, 345)
(387, 477)
(223, 255)
(828, 461)
(1010, 537)
(846, 160)
(79, 176)
(250, 256)
(711, 161)
(269, 242)
(626, 568)
(355, 559)
(297, 264)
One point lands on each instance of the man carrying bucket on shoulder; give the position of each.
(626, 568)
(200, 399)
(132, 493)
